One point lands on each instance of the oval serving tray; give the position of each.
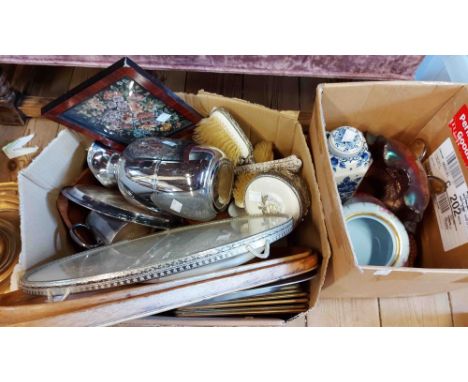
(156, 256)
(111, 203)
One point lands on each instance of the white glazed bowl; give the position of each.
(275, 193)
(378, 237)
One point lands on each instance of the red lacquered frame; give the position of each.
(122, 68)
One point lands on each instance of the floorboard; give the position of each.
(257, 89)
(210, 82)
(459, 305)
(10, 167)
(345, 312)
(431, 310)
(20, 79)
(48, 82)
(280, 93)
(307, 87)
(175, 80)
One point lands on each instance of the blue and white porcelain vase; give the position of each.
(350, 159)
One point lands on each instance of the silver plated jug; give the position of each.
(175, 176)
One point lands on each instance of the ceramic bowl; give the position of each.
(378, 237)
(277, 193)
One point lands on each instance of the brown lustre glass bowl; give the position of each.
(398, 179)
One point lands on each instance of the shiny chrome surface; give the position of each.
(156, 256)
(111, 203)
(102, 161)
(261, 290)
(175, 176)
(107, 230)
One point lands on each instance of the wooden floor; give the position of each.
(285, 93)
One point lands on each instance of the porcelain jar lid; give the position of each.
(346, 142)
(161, 255)
(376, 234)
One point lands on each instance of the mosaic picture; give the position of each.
(125, 111)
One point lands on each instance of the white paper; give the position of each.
(163, 117)
(16, 148)
(451, 207)
(176, 205)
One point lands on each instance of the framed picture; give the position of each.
(121, 104)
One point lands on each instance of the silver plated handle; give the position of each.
(262, 254)
(79, 241)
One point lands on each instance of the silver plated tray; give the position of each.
(157, 256)
(260, 290)
(111, 203)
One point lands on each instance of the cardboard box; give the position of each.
(405, 111)
(44, 236)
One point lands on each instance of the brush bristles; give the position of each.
(242, 181)
(216, 131)
(263, 152)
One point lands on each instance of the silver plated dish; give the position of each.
(263, 290)
(157, 256)
(111, 203)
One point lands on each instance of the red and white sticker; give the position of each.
(459, 127)
(451, 206)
